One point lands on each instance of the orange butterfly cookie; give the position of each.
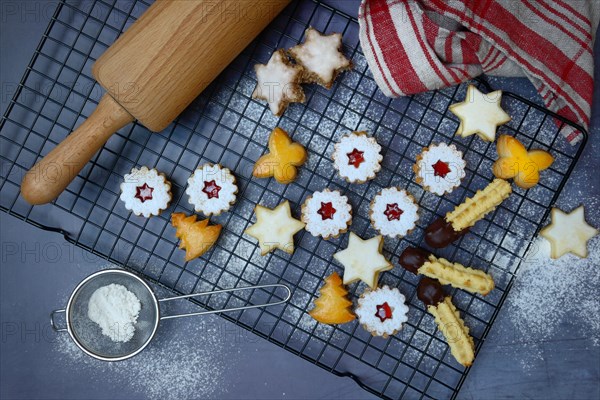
(518, 163)
(282, 160)
(196, 236)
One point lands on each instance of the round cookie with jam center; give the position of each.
(211, 189)
(394, 212)
(327, 214)
(357, 157)
(382, 311)
(145, 192)
(440, 168)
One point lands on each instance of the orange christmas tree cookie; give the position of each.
(196, 236)
(332, 306)
(518, 163)
(282, 160)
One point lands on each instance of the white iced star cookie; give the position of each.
(362, 260)
(480, 114)
(145, 192)
(278, 83)
(321, 56)
(568, 233)
(275, 229)
(211, 189)
(357, 157)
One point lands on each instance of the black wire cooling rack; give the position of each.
(225, 125)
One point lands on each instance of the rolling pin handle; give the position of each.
(51, 175)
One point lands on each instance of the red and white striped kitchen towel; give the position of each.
(413, 46)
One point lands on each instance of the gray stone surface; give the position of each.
(210, 358)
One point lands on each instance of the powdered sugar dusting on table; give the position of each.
(548, 291)
(168, 368)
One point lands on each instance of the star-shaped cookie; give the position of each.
(321, 57)
(362, 260)
(275, 229)
(278, 83)
(568, 233)
(480, 114)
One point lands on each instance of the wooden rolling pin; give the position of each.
(151, 73)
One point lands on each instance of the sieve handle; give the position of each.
(53, 323)
(186, 296)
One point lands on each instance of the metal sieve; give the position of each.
(88, 336)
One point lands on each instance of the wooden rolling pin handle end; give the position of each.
(51, 175)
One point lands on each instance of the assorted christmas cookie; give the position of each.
(211, 189)
(197, 237)
(480, 114)
(393, 212)
(516, 162)
(357, 157)
(568, 233)
(457, 222)
(279, 82)
(382, 311)
(362, 260)
(321, 56)
(440, 168)
(275, 229)
(333, 305)
(145, 192)
(418, 261)
(448, 320)
(327, 213)
(282, 160)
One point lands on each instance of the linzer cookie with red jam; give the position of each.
(382, 311)
(394, 212)
(456, 223)
(327, 214)
(357, 157)
(448, 320)
(321, 57)
(419, 261)
(278, 82)
(145, 192)
(440, 168)
(211, 189)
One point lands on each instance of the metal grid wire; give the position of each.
(224, 125)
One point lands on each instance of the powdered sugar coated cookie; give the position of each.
(357, 157)
(382, 311)
(211, 189)
(145, 192)
(278, 82)
(327, 213)
(394, 212)
(321, 57)
(440, 168)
